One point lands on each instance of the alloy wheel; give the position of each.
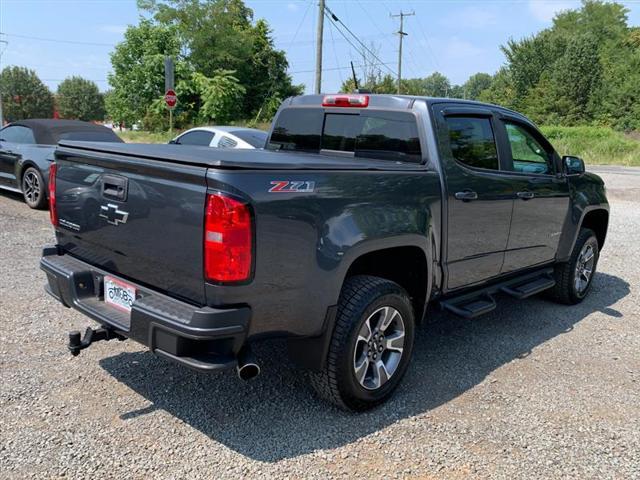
(379, 348)
(31, 187)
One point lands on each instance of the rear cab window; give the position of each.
(375, 134)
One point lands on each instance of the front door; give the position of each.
(479, 197)
(542, 196)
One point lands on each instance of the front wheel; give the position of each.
(574, 278)
(371, 345)
(33, 188)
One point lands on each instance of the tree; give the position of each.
(24, 95)
(80, 99)
(138, 70)
(220, 35)
(436, 85)
(221, 96)
(475, 85)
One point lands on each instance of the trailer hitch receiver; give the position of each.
(76, 344)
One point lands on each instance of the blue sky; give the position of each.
(455, 37)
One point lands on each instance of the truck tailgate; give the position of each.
(140, 219)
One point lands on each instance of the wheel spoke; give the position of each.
(362, 367)
(364, 335)
(380, 374)
(387, 316)
(395, 342)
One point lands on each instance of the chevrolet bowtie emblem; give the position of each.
(113, 214)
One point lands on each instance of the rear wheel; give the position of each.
(574, 278)
(33, 188)
(371, 344)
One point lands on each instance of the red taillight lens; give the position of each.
(357, 101)
(53, 212)
(227, 239)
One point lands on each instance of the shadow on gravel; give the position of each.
(277, 416)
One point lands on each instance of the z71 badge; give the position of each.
(292, 186)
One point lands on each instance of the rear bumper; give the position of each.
(204, 338)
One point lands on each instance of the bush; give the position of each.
(596, 145)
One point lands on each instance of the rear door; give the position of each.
(479, 196)
(542, 196)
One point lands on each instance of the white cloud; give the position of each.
(293, 7)
(117, 29)
(545, 10)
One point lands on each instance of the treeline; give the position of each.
(584, 69)
(24, 95)
(226, 65)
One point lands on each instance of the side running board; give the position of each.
(529, 288)
(470, 307)
(481, 301)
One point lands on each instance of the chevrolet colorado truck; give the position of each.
(361, 211)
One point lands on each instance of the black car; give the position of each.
(26, 151)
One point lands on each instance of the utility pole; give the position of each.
(401, 34)
(319, 39)
(1, 52)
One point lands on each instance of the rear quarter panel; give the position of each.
(305, 242)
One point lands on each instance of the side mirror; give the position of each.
(172, 142)
(573, 165)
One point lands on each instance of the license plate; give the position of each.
(119, 294)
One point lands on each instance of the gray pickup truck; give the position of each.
(361, 211)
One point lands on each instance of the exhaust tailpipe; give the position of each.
(247, 367)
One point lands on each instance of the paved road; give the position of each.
(532, 390)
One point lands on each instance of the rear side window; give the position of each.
(226, 142)
(199, 137)
(472, 142)
(383, 135)
(17, 134)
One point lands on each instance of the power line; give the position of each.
(348, 67)
(334, 18)
(56, 40)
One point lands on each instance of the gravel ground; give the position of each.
(532, 390)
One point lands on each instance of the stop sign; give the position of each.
(170, 98)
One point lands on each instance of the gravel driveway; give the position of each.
(532, 390)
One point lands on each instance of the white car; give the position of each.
(222, 137)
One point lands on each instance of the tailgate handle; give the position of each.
(115, 187)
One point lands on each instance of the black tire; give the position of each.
(565, 290)
(361, 298)
(33, 188)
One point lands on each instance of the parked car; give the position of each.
(361, 211)
(26, 151)
(223, 137)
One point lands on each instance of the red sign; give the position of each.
(171, 99)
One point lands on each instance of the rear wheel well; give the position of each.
(407, 266)
(597, 220)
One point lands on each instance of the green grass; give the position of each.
(595, 145)
(139, 136)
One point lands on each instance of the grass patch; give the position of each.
(140, 136)
(595, 145)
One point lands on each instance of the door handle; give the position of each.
(526, 195)
(466, 196)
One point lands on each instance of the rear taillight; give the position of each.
(228, 239)
(53, 211)
(355, 101)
